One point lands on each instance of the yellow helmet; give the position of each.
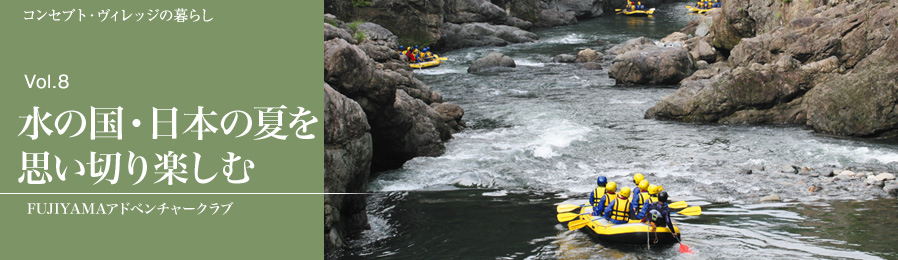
(660, 188)
(643, 185)
(610, 187)
(624, 192)
(637, 178)
(653, 189)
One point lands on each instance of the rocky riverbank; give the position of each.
(377, 116)
(827, 65)
(803, 183)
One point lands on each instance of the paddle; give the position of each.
(567, 207)
(441, 58)
(691, 211)
(567, 216)
(683, 247)
(577, 224)
(677, 205)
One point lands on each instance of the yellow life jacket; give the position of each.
(621, 211)
(595, 195)
(643, 197)
(608, 197)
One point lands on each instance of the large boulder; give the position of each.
(653, 66)
(451, 115)
(456, 36)
(379, 43)
(492, 62)
(398, 130)
(830, 67)
(742, 88)
(416, 129)
(863, 102)
(588, 55)
(631, 45)
(347, 160)
(333, 32)
(378, 35)
(701, 50)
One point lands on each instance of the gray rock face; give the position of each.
(350, 71)
(472, 11)
(701, 50)
(493, 61)
(451, 115)
(548, 13)
(347, 157)
(829, 67)
(378, 35)
(377, 116)
(652, 65)
(333, 32)
(455, 36)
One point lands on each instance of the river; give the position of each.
(540, 135)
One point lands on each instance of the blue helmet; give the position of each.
(416, 46)
(401, 47)
(601, 180)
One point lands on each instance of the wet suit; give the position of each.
(663, 216)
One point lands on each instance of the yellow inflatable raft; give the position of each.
(638, 12)
(634, 232)
(427, 64)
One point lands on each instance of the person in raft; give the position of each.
(428, 56)
(641, 198)
(618, 211)
(598, 192)
(410, 55)
(638, 177)
(610, 190)
(653, 191)
(659, 213)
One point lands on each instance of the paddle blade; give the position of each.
(685, 249)
(441, 58)
(617, 10)
(577, 224)
(691, 211)
(566, 207)
(565, 217)
(678, 205)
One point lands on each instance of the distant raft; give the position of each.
(696, 9)
(436, 61)
(634, 232)
(650, 11)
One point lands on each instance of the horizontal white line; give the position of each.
(191, 193)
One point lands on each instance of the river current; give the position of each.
(539, 136)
